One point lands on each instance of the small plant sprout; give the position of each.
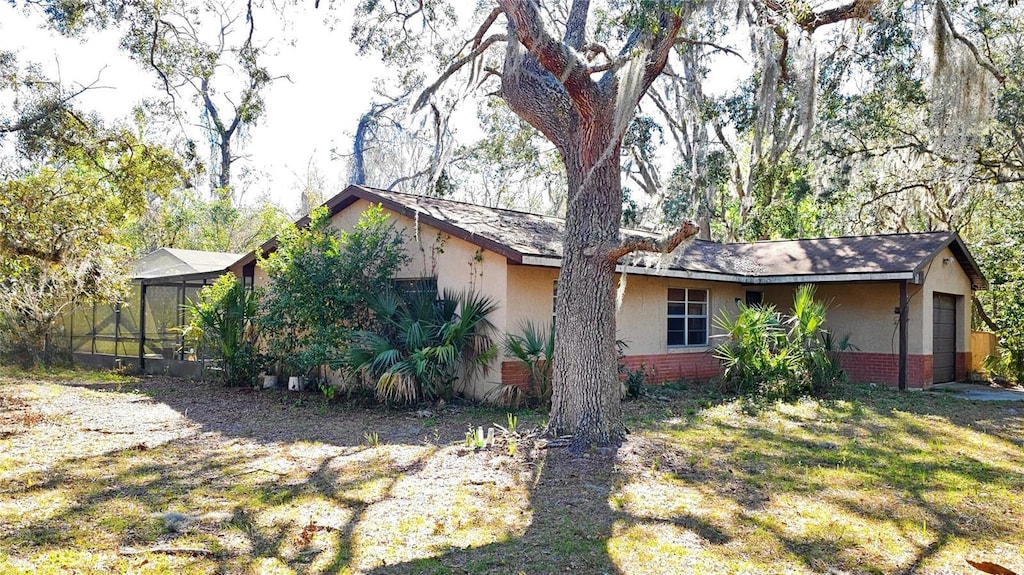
(372, 439)
(476, 439)
(508, 431)
(328, 391)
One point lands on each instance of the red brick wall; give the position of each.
(861, 367)
(513, 372)
(659, 367)
(674, 366)
(963, 363)
(884, 368)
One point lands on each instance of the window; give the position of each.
(754, 298)
(687, 317)
(554, 300)
(413, 289)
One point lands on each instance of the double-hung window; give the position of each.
(687, 317)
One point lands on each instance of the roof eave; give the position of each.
(963, 256)
(550, 261)
(352, 193)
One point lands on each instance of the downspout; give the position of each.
(904, 309)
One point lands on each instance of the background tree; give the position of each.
(61, 211)
(209, 61)
(582, 97)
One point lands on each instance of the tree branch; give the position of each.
(44, 111)
(455, 67)
(809, 20)
(559, 59)
(665, 245)
(944, 12)
(983, 314)
(718, 47)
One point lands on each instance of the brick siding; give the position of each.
(861, 367)
(884, 368)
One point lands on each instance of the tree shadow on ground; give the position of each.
(875, 486)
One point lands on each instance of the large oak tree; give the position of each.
(582, 95)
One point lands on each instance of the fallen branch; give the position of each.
(167, 550)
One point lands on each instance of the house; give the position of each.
(666, 316)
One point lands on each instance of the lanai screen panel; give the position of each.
(163, 316)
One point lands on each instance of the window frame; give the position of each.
(686, 316)
(410, 288)
(554, 300)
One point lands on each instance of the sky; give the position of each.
(306, 117)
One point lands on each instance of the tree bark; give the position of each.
(548, 84)
(586, 399)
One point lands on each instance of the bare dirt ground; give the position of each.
(162, 475)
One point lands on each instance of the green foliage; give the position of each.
(424, 346)
(635, 381)
(999, 255)
(372, 438)
(221, 322)
(60, 218)
(476, 439)
(320, 281)
(184, 219)
(771, 355)
(533, 348)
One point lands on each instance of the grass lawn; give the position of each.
(168, 476)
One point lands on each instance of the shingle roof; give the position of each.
(173, 262)
(531, 238)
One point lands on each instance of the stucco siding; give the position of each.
(642, 318)
(530, 295)
(862, 311)
(946, 278)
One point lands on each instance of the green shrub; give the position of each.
(635, 381)
(424, 346)
(221, 322)
(320, 280)
(777, 356)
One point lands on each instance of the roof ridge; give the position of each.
(844, 237)
(374, 190)
(173, 249)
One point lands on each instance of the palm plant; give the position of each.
(533, 348)
(221, 320)
(757, 356)
(423, 346)
(773, 355)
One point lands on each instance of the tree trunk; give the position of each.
(586, 399)
(224, 177)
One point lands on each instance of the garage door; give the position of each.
(944, 338)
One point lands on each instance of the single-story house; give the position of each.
(904, 300)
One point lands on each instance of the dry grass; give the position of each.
(166, 476)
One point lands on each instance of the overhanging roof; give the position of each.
(172, 264)
(533, 239)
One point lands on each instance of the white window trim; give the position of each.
(687, 316)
